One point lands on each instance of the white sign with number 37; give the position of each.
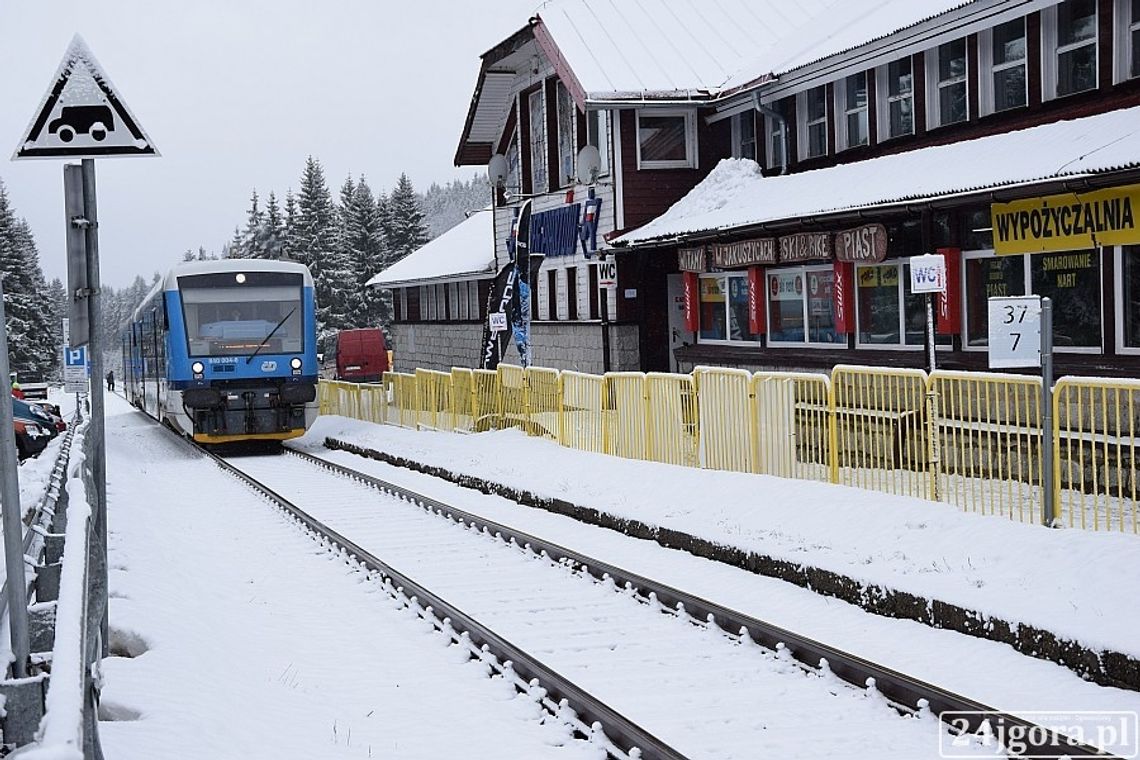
(1015, 332)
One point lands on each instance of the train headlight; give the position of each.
(295, 362)
(197, 368)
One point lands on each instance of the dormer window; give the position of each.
(666, 140)
(536, 104)
(566, 135)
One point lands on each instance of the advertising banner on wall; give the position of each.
(1067, 222)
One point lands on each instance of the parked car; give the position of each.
(53, 410)
(33, 428)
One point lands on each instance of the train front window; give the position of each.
(231, 315)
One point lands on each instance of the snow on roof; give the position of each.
(735, 194)
(684, 48)
(465, 249)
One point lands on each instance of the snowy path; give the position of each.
(253, 643)
(699, 691)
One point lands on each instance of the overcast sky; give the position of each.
(235, 94)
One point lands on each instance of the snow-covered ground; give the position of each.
(236, 637)
(1074, 583)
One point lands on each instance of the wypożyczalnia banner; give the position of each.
(1068, 221)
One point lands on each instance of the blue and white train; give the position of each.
(226, 351)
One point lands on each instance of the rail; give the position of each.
(906, 693)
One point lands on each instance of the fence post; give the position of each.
(1048, 506)
(753, 425)
(832, 432)
(933, 444)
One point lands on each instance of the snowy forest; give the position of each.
(34, 308)
(347, 239)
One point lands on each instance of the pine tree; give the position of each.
(289, 234)
(32, 348)
(369, 252)
(57, 308)
(274, 228)
(407, 231)
(316, 232)
(253, 238)
(235, 249)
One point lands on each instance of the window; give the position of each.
(801, 307)
(1070, 278)
(453, 300)
(946, 84)
(888, 313)
(812, 108)
(474, 308)
(1069, 31)
(1127, 47)
(552, 294)
(896, 110)
(595, 313)
(1128, 299)
(1002, 56)
(666, 140)
(425, 303)
(852, 104)
(566, 135)
(775, 130)
(514, 173)
(572, 293)
(724, 308)
(404, 304)
(598, 135)
(537, 106)
(744, 135)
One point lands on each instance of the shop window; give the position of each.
(946, 84)
(744, 135)
(724, 308)
(572, 293)
(598, 135)
(896, 110)
(536, 103)
(889, 314)
(852, 104)
(1128, 299)
(566, 135)
(1071, 279)
(989, 277)
(801, 307)
(1069, 33)
(812, 108)
(666, 140)
(1002, 58)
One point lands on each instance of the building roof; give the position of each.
(735, 195)
(464, 250)
(691, 48)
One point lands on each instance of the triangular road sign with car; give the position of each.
(82, 115)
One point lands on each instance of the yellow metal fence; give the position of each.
(972, 439)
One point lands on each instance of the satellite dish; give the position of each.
(589, 164)
(497, 170)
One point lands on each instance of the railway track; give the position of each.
(709, 681)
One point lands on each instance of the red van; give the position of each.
(361, 355)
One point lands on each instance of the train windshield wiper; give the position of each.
(270, 335)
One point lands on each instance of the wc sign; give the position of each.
(928, 274)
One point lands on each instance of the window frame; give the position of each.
(884, 100)
(1027, 269)
(987, 68)
(774, 141)
(599, 122)
(804, 126)
(757, 342)
(738, 141)
(843, 112)
(935, 84)
(564, 108)
(902, 345)
(1051, 52)
(805, 270)
(689, 116)
(1119, 305)
(1124, 26)
(537, 142)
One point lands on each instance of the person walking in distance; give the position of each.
(111, 380)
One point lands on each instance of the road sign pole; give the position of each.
(12, 514)
(96, 427)
(1048, 505)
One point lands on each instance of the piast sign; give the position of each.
(745, 253)
(862, 245)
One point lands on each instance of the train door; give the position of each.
(159, 339)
